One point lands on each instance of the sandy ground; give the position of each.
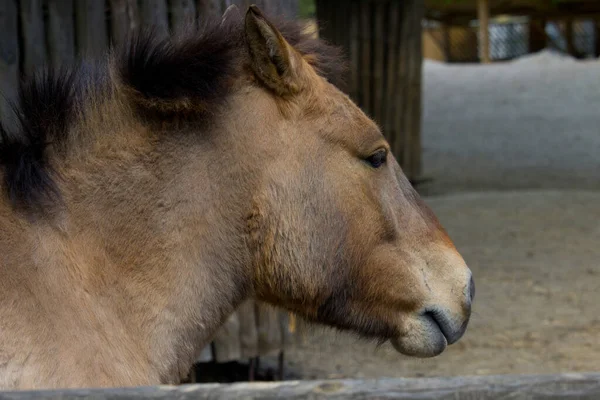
(514, 151)
(529, 123)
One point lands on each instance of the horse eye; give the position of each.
(377, 159)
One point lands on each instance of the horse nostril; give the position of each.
(471, 289)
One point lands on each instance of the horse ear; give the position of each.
(271, 56)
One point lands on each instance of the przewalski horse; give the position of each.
(146, 196)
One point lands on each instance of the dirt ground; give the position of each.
(514, 150)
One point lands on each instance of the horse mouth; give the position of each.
(443, 325)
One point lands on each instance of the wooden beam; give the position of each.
(483, 15)
(511, 7)
(466, 18)
(125, 20)
(270, 336)
(248, 329)
(90, 27)
(597, 37)
(154, 14)
(515, 387)
(183, 15)
(61, 32)
(32, 35)
(9, 61)
(569, 37)
(537, 35)
(446, 41)
(227, 341)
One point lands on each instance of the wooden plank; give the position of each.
(414, 151)
(227, 340)
(61, 32)
(365, 65)
(569, 37)
(597, 38)
(398, 144)
(446, 41)
(289, 8)
(153, 14)
(379, 52)
(483, 15)
(537, 35)
(286, 333)
(381, 38)
(354, 50)
(269, 330)
(537, 8)
(464, 19)
(125, 20)
(393, 50)
(242, 4)
(9, 61)
(32, 34)
(336, 30)
(515, 387)
(343, 35)
(210, 8)
(183, 15)
(267, 6)
(90, 27)
(248, 329)
(324, 16)
(408, 114)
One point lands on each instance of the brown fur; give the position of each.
(167, 222)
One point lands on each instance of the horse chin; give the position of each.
(419, 350)
(426, 342)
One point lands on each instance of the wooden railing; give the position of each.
(515, 387)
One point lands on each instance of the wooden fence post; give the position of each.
(61, 32)
(483, 15)
(9, 60)
(382, 41)
(205, 8)
(32, 32)
(597, 38)
(227, 341)
(183, 15)
(413, 94)
(537, 34)
(248, 329)
(569, 37)
(90, 27)
(125, 20)
(154, 14)
(270, 335)
(446, 40)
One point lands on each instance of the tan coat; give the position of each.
(174, 207)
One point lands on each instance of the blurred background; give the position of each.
(491, 107)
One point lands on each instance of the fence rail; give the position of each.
(516, 387)
(513, 38)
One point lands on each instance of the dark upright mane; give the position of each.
(44, 108)
(192, 70)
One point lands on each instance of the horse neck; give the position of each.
(162, 231)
